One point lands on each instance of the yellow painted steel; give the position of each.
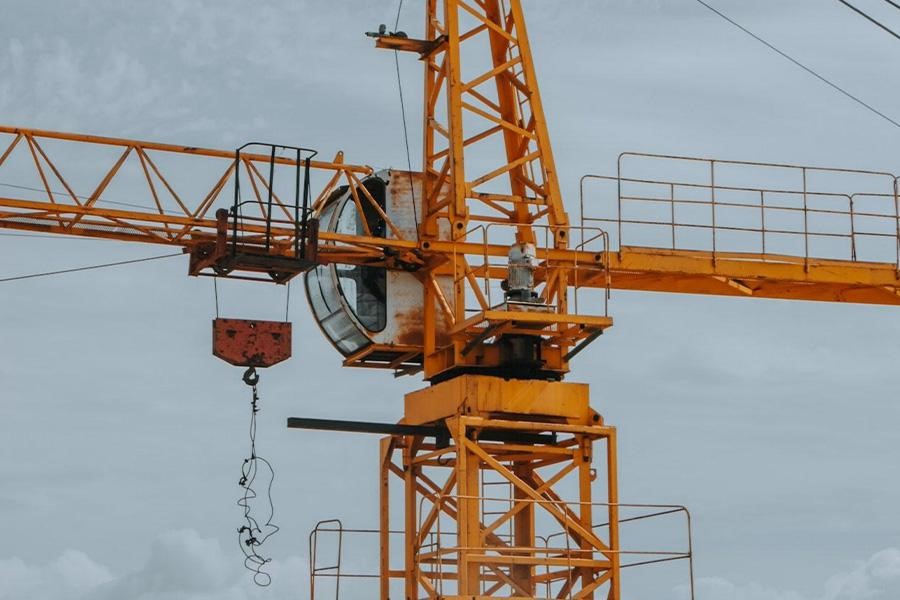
(754, 275)
(482, 395)
(454, 546)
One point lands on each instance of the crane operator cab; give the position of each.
(371, 315)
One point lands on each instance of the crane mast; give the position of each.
(498, 366)
(469, 272)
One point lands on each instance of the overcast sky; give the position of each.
(122, 437)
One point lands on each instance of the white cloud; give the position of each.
(67, 578)
(184, 566)
(877, 578)
(716, 588)
(181, 566)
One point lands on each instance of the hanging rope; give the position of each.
(252, 535)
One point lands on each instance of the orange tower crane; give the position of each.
(472, 274)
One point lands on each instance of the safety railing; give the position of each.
(332, 567)
(583, 275)
(271, 210)
(440, 554)
(775, 211)
(558, 548)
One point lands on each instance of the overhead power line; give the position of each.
(89, 268)
(894, 4)
(55, 237)
(821, 78)
(80, 197)
(870, 18)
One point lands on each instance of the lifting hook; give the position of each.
(251, 377)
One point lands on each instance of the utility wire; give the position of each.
(894, 4)
(103, 266)
(870, 18)
(55, 237)
(868, 107)
(412, 189)
(80, 197)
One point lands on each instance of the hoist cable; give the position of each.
(802, 66)
(287, 304)
(89, 268)
(870, 18)
(412, 189)
(216, 294)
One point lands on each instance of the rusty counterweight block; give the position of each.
(246, 343)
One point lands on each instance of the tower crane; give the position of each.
(472, 275)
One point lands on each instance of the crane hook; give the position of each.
(251, 377)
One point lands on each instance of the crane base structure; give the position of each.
(485, 468)
(446, 494)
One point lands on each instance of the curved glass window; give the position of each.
(333, 289)
(364, 288)
(325, 300)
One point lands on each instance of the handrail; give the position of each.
(436, 550)
(860, 219)
(654, 556)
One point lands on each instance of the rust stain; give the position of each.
(410, 329)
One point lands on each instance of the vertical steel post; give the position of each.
(805, 224)
(304, 215)
(672, 201)
(612, 469)
(297, 227)
(269, 207)
(386, 455)
(762, 218)
(712, 183)
(237, 201)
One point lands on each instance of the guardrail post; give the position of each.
(712, 179)
(805, 223)
(672, 201)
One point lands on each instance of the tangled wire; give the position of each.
(252, 535)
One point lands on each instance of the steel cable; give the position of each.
(870, 18)
(89, 268)
(865, 105)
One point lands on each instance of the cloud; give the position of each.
(68, 577)
(716, 588)
(182, 565)
(877, 578)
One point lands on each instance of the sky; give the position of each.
(122, 437)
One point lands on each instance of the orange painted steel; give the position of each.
(749, 229)
(454, 546)
(174, 218)
(189, 224)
